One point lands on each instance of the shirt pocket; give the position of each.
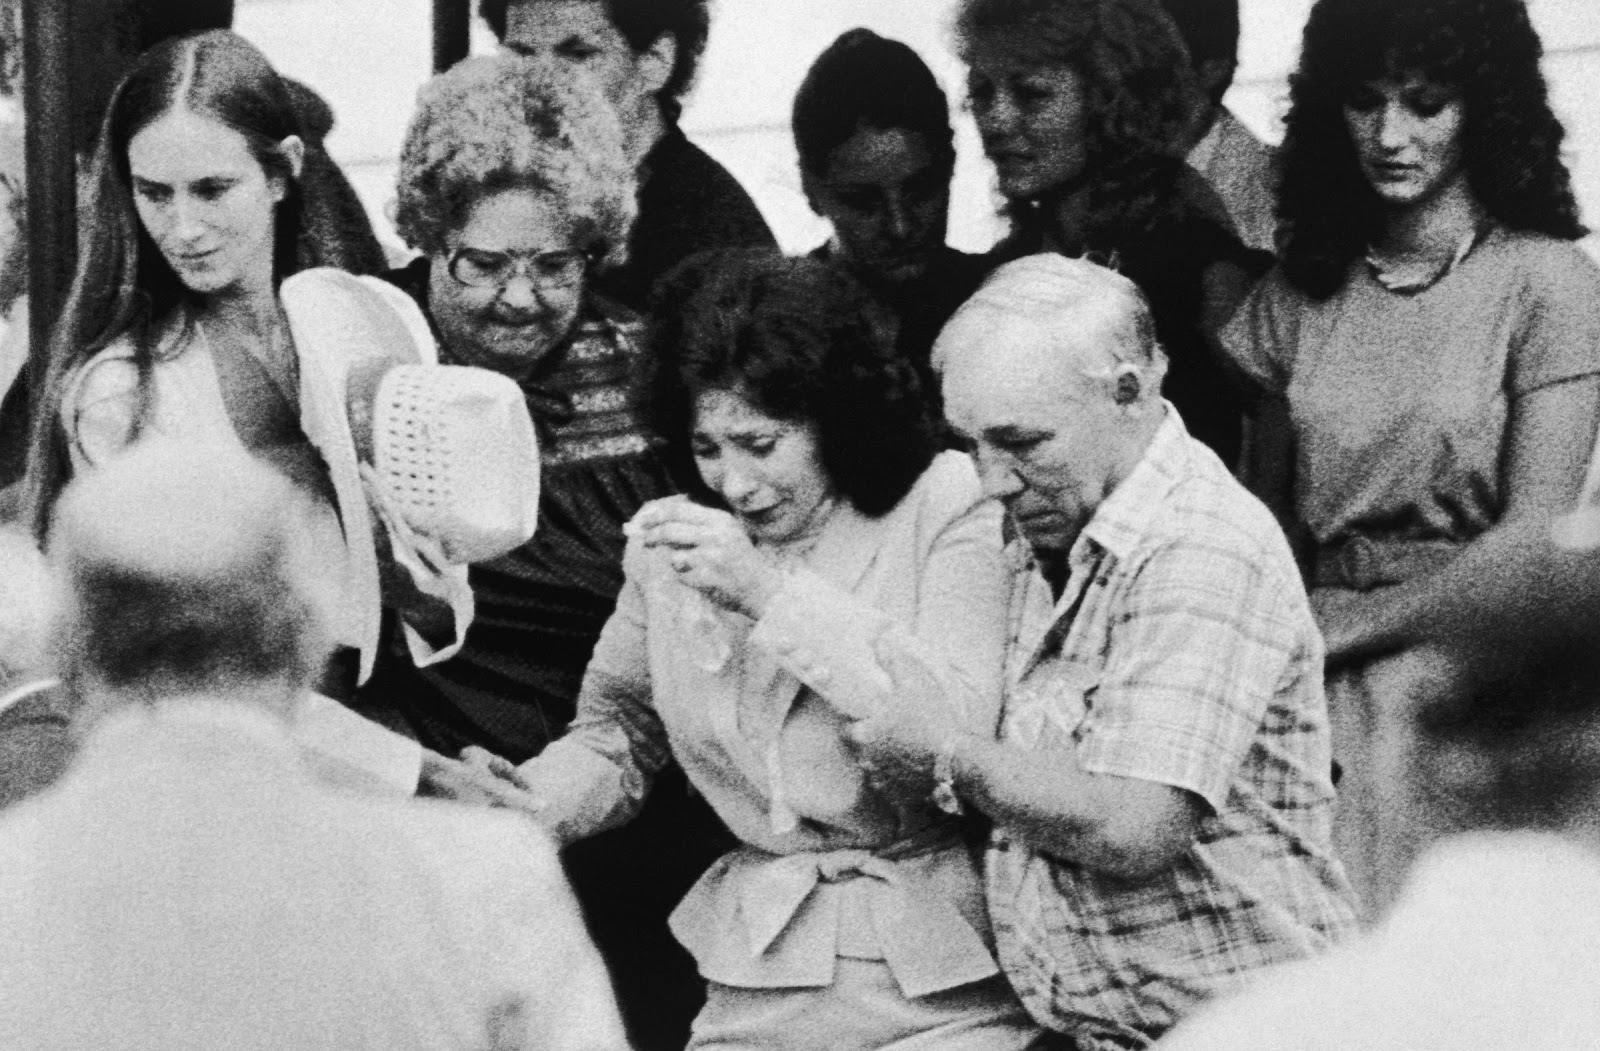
(1048, 707)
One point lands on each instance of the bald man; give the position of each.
(189, 884)
(1160, 790)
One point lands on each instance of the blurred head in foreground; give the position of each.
(183, 576)
(187, 885)
(1515, 739)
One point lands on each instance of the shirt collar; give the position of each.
(234, 725)
(1119, 523)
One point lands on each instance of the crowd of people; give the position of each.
(1170, 628)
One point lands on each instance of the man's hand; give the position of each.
(899, 747)
(709, 551)
(488, 764)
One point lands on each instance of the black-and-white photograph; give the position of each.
(799, 525)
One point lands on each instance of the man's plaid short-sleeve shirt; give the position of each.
(1182, 651)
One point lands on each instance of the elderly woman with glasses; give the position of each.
(515, 186)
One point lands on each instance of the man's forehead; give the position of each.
(1003, 380)
(1011, 347)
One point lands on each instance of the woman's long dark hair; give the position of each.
(1511, 141)
(123, 285)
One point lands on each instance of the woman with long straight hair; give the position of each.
(189, 317)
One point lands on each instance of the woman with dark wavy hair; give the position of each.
(1083, 107)
(1434, 337)
(826, 532)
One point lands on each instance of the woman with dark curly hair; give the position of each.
(1435, 338)
(825, 531)
(1083, 106)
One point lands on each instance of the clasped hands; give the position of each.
(709, 551)
(900, 746)
(479, 777)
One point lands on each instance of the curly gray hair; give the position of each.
(503, 122)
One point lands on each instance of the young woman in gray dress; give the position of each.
(1435, 337)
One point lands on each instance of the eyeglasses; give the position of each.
(482, 268)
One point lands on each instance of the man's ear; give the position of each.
(657, 62)
(1126, 384)
(1135, 386)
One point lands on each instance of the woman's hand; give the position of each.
(709, 551)
(490, 765)
(446, 778)
(415, 583)
(480, 778)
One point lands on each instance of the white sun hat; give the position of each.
(357, 338)
(454, 454)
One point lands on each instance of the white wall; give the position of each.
(369, 56)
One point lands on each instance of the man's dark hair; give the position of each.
(641, 23)
(167, 634)
(866, 81)
(137, 631)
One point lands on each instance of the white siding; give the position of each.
(369, 56)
